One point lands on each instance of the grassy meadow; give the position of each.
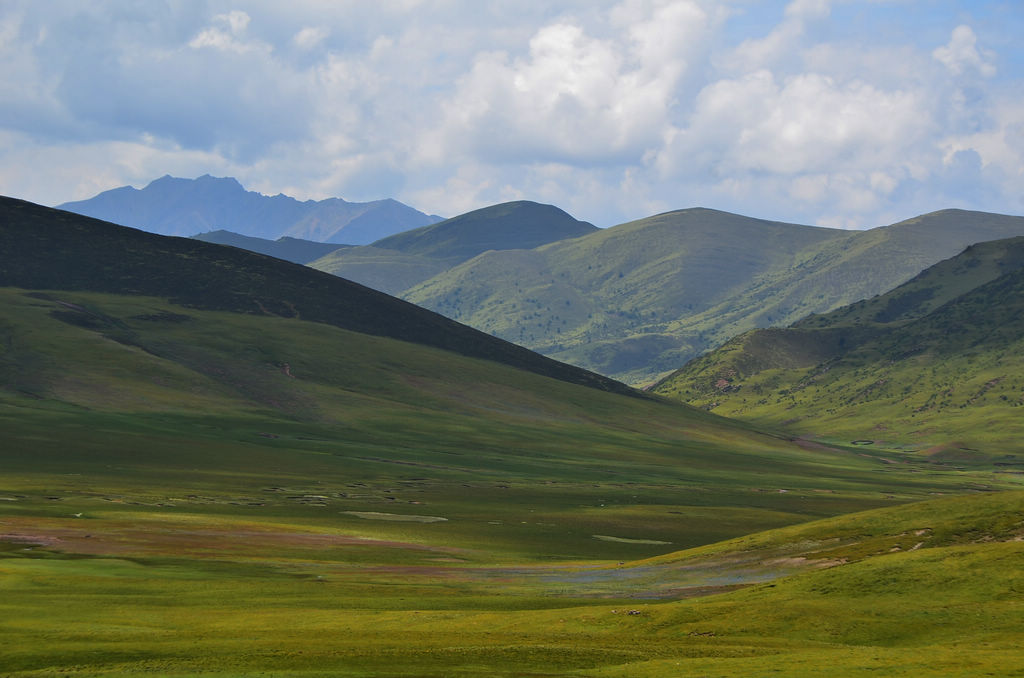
(189, 492)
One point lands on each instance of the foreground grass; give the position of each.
(952, 608)
(227, 495)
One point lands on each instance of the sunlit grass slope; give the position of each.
(388, 271)
(935, 364)
(613, 300)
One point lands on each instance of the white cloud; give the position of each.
(228, 34)
(577, 98)
(999, 146)
(612, 109)
(804, 129)
(310, 36)
(961, 54)
(570, 98)
(72, 168)
(779, 43)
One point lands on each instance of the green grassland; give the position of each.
(216, 463)
(935, 365)
(190, 492)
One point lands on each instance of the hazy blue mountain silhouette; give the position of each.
(184, 207)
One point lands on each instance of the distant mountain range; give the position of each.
(185, 207)
(936, 361)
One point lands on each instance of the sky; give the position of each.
(840, 113)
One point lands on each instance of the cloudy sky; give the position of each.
(831, 112)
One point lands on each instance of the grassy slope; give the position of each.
(139, 368)
(859, 266)
(640, 299)
(934, 363)
(45, 248)
(511, 225)
(613, 300)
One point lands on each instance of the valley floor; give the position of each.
(192, 493)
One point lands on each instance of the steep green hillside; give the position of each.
(935, 363)
(87, 374)
(639, 299)
(860, 266)
(401, 261)
(43, 248)
(617, 300)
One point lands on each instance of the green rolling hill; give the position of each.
(401, 261)
(617, 300)
(516, 225)
(220, 463)
(640, 299)
(935, 363)
(636, 301)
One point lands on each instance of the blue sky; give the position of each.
(829, 112)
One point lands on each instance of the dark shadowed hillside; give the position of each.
(43, 248)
